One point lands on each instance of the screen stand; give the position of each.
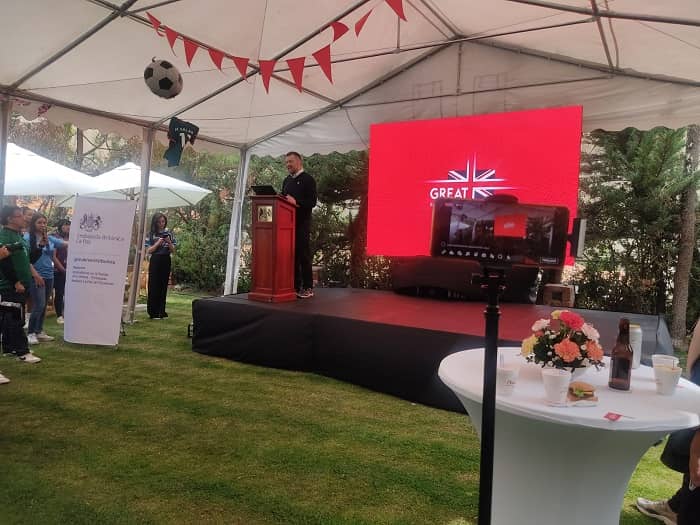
(493, 283)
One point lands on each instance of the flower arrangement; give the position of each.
(563, 341)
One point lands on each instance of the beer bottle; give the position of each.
(621, 359)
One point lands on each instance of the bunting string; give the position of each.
(296, 65)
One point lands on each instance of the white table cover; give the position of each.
(567, 465)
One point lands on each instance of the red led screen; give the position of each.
(533, 155)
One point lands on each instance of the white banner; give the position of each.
(98, 254)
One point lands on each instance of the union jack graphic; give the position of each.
(482, 179)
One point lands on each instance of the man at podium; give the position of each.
(300, 188)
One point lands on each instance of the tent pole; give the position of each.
(233, 255)
(5, 111)
(141, 225)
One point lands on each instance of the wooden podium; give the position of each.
(273, 249)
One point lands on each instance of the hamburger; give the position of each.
(580, 391)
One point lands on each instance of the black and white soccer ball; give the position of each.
(163, 78)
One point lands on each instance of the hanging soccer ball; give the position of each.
(163, 78)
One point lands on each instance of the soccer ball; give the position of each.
(163, 78)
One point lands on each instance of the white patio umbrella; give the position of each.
(163, 191)
(27, 173)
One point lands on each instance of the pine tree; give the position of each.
(632, 200)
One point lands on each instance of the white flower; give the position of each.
(590, 332)
(552, 336)
(540, 325)
(549, 353)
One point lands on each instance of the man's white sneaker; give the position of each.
(3, 379)
(32, 339)
(59, 319)
(29, 358)
(657, 509)
(43, 336)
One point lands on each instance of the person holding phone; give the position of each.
(160, 244)
(42, 270)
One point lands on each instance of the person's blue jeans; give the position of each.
(40, 297)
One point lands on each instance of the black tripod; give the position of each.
(493, 283)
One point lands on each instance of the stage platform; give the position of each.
(378, 339)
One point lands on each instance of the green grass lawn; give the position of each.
(151, 432)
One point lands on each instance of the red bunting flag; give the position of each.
(397, 6)
(339, 29)
(241, 65)
(266, 68)
(190, 50)
(216, 56)
(296, 67)
(361, 23)
(171, 36)
(323, 57)
(154, 22)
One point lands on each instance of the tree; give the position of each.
(632, 202)
(90, 151)
(687, 237)
(338, 236)
(341, 182)
(202, 230)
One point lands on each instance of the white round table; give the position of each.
(567, 465)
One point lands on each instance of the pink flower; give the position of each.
(572, 320)
(567, 350)
(594, 351)
(590, 332)
(540, 325)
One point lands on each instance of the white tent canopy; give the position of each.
(628, 63)
(634, 66)
(30, 174)
(163, 191)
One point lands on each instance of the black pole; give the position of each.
(493, 283)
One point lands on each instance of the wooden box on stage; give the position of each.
(559, 295)
(273, 249)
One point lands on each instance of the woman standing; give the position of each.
(160, 244)
(42, 273)
(59, 271)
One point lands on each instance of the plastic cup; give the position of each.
(669, 361)
(667, 379)
(506, 379)
(556, 385)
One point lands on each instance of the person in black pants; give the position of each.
(300, 188)
(682, 454)
(690, 507)
(59, 270)
(160, 244)
(15, 278)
